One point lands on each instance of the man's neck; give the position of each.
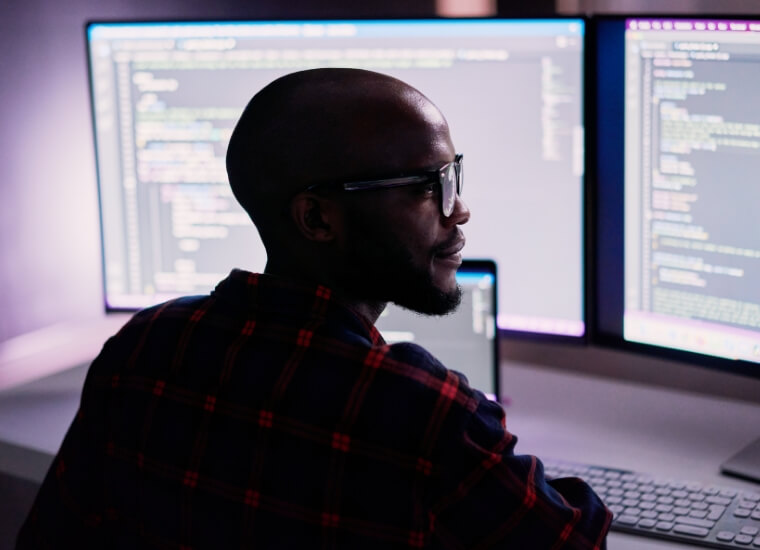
(367, 309)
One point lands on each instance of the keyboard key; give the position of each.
(730, 493)
(743, 539)
(742, 513)
(756, 542)
(627, 520)
(666, 517)
(700, 506)
(680, 494)
(630, 502)
(663, 508)
(646, 523)
(749, 530)
(649, 514)
(632, 494)
(666, 500)
(756, 515)
(685, 502)
(716, 513)
(698, 514)
(634, 512)
(725, 536)
(723, 501)
(664, 525)
(646, 488)
(616, 509)
(612, 500)
(650, 497)
(644, 505)
(696, 522)
(754, 497)
(681, 511)
(697, 497)
(691, 530)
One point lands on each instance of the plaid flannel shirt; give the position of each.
(269, 415)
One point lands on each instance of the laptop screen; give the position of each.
(464, 341)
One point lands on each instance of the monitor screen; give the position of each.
(679, 154)
(166, 97)
(465, 340)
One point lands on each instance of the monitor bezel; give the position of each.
(606, 328)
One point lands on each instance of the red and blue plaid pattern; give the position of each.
(268, 415)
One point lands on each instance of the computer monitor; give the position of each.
(678, 158)
(166, 96)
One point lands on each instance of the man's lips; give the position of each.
(451, 251)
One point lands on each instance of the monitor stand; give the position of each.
(745, 463)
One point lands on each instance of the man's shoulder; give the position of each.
(182, 310)
(424, 370)
(178, 307)
(416, 356)
(164, 321)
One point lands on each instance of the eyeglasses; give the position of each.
(449, 176)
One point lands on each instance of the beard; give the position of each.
(381, 268)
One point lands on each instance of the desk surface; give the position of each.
(663, 432)
(555, 414)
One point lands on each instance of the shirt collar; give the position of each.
(292, 298)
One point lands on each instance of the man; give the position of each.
(271, 414)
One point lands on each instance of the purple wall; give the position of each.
(49, 234)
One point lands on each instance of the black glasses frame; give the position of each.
(442, 176)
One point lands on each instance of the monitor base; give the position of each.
(744, 464)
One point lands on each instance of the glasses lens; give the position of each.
(460, 176)
(449, 184)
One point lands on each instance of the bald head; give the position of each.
(327, 125)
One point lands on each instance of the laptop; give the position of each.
(464, 341)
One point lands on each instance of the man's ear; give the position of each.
(316, 217)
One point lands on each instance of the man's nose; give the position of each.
(460, 214)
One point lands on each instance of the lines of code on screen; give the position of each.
(692, 159)
(166, 98)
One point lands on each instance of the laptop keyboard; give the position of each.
(697, 514)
